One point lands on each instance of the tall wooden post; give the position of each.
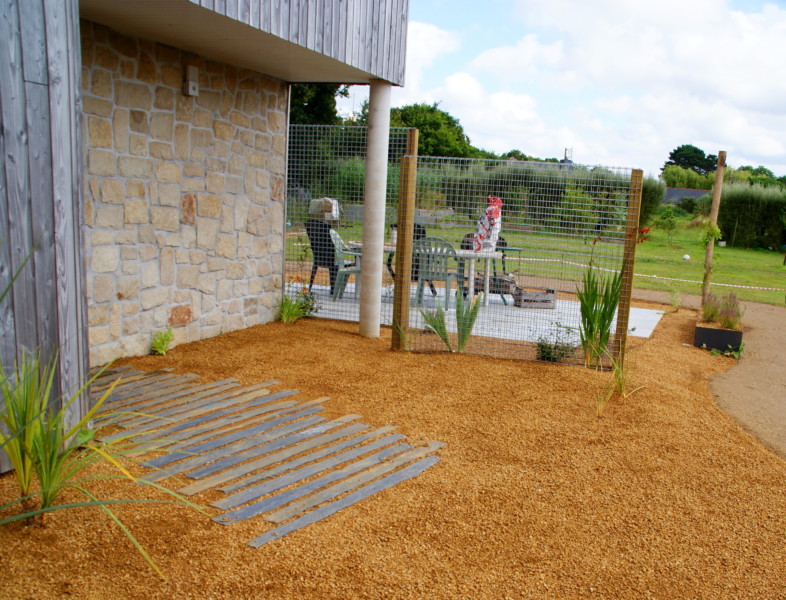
(716, 196)
(407, 194)
(628, 259)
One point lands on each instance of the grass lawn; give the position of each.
(654, 257)
(755, 268)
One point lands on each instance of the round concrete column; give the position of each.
(374, 208)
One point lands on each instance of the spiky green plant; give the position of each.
(436, 322)
(466, 315)
(289, 310)
(598, 300)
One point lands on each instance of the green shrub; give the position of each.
(161, 342)
(651, 198)
(667, 221)
(598, 300)
(556, 348)
(751, 216)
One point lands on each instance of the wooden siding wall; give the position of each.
(368, 34)
(40, 185)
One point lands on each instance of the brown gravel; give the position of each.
(664, 497)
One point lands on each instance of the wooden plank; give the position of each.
(126, 386)
(17, 185)
(197, 419)
(204, 460)
(182, 394)
(127, 383)
(155, 391)
(211, 428)
(110, 372)
(299, 475)
(309, 441)
(64, 64)
(280, 438)
(320, 452)
(332, 508)
(282, 498)
(223, 440)
(136, 392)
(336, 490)
(42, 216)
(31, 19)
(232, 398)
(247, 449)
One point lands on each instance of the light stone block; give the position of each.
(101, 162)
(168, 172)
(225, 246)
(105, 259)
(127, 288)
(136, 211)
(112, 191)
(150, 274)
(109, 216)
(154, 297)
(167, 266)
(165, 218)
(140, 168)
(103, 288)
(207, 230)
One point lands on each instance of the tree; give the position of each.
(315, 103)
(693, 158)
(440, 133)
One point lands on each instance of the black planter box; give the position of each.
(718, 339)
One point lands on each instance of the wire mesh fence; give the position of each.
(510, 241)
(521, 237)
(325, 184)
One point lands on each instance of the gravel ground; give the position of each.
(665, 496)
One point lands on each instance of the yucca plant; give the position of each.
(598, 300)
(436, 322)
(466, 315)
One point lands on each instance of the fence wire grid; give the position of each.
(557, 221)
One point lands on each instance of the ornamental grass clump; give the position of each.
(598, 300)
(710, 309)
(730, 314)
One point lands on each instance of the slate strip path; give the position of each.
(272, 454)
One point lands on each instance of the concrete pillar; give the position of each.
(374, 208)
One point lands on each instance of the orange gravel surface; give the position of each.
(535, 496)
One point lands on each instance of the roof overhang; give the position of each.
(187, 26)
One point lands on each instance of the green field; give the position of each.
(655, 256)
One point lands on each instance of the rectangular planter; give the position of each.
(718, 339)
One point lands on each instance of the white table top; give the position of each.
(482, 254)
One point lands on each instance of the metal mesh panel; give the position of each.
(556, 221)
(325, 184)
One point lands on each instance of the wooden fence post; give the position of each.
(628, 258)
(407, 195)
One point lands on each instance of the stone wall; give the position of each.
(184, 206)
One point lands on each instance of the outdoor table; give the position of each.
(471, 256)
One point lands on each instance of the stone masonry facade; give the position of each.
(184, 196)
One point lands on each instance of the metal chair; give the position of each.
(435, 257)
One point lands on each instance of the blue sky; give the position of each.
(620, 82)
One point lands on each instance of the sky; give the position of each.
(621, 83)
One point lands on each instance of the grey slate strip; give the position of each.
(317, 454)
(293, 445)
(205, 416)
(237, 451)
(187, 437)
(287, 496)
(170, 409)
(299, 475)
(281, 437)
(332, 508)
(334, 491)
(229, 438)
(183, 395)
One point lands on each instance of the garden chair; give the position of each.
(435, 257)
(329, 252)
(343, 267)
